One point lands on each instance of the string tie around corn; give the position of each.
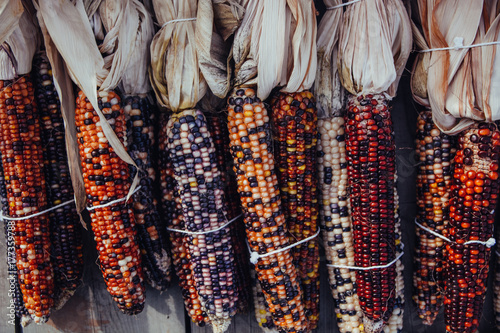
(458, 44)
(111, 203)
(371, 267)
(204, 232)
(489, 243)
(342, 4)
(178, 20)
(8, 218)
(255, 256)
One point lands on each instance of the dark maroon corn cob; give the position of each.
(65, 228)
(140, 118)
(371, 169)
(434, 177)
(473, 199)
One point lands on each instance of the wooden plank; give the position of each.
(92, 310)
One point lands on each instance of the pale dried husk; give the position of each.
(301, 51)
(212, 50)
(19, 40)
(327, 89)
(135, 78)
(228, 15)
(374, 46)
(459, 81)
(68, 28)
(175, 75)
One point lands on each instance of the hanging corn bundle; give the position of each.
(179, 85)
(294, 121)
(139, 116)
(332, 172)
(434, 176)
(370, 71)
(460, 85)
(65, 228)
(22, 160)
(100, 131)
(251, 148)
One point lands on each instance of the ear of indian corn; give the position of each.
(220, 137)
(202, 199)
(106, 179)
(472, 202)
(496, 289)
(251, 148)
(139, 116)
(295, 126)
(336, 223)
(22, 161)
(20, 310)
(395, 322)
(262, 314)
(65, 228)
(434, 176)
(172, 211)
(371, 170)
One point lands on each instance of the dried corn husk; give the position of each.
(18, 39)
(327, 88)
(458, 81)
(212, 50)
(135, 78)
(374, 45)
(174, 74)
(301, 56)
(228, 15)
(68, 28)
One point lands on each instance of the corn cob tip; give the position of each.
(63, 297)
(372, 326)
(26, 320)
(220, 325)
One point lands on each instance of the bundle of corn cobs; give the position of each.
(193, 135)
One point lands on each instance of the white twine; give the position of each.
(113, 202)
(8, 218)
(371, 267)
(458, 44)
(498, 254)
(255, 256)
(187, 232)
(178, 20)
(342, 4)
(489, 243)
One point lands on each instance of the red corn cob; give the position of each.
(295, 124)
(371, 169)
(106, 179)
(472, 202)
(249, 133)
(22, 161)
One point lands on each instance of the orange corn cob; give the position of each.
(22, 161)
(106, 179)
(251, 148)
(295, 125)
(473, 199)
